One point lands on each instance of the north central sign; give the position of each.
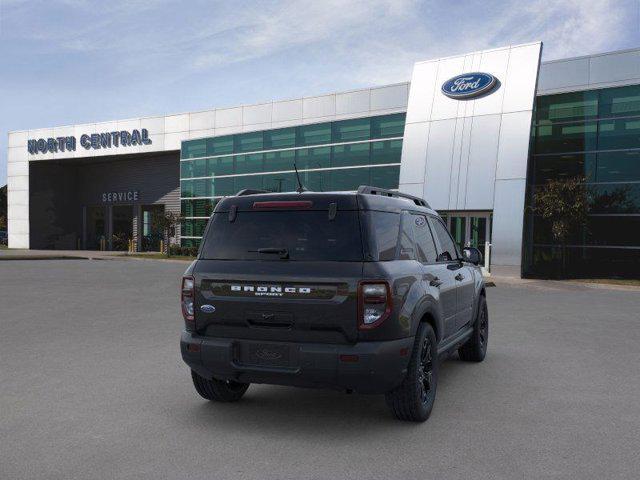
(469, 85)
(93, 141)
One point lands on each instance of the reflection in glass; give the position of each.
(458, 228)
(231, 167)
(605, 149)
(352, 130)
(478, 233)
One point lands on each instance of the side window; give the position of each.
(384, 231)
(424, 241)
(406, 250)
(448, 250)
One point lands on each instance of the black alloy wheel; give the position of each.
(413, 399)
(475, 349)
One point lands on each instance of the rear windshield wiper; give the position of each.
(283, 252)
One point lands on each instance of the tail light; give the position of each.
(374, 304)
(187, 299)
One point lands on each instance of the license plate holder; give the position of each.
(265, 354)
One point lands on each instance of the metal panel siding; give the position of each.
(353, 102)
(508, 215)
(565, 74)
(156, 178)
(393, 96)
(470, 140)
(614, 67)
(483, 151)
(589, 72)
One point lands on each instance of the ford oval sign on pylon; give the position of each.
(469, 85)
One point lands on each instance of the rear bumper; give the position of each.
(370, 367)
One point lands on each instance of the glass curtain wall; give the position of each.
(330, 156)
(593, 135)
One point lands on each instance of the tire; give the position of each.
(413, 400)
(475, 349)
(218, 390)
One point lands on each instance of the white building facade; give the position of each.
(466, 147)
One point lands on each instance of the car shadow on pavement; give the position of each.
(301, 411)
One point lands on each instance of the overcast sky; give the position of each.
(74, 61)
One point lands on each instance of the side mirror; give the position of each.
(472, 255)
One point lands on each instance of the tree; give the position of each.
(166, 222)
(565, 204)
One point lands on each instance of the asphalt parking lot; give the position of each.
(92, 386)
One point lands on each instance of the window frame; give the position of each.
(415, 238)
(456, 260)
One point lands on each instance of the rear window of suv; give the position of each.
(305, 235)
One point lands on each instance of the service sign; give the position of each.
(469, 85)
(120, 197)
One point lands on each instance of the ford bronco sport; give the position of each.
(361, 292)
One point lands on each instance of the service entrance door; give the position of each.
(121, 227)
(151, 233)
(96, 228)
(470, 229)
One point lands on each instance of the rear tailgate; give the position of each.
(281, 267)
(297, 301)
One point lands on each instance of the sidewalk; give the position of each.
(510, 276)
(20, 254)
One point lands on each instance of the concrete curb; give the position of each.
(172, 260)
(87, 257)
(512, 281)
(603, 285)
(44, 257)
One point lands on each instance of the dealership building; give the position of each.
(476, 135)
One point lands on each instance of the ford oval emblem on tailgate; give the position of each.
(265, 354)
(207, 308)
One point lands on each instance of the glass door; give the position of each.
(458, 229)
(478, 230)
(122, 223)
(95, 225)
(151, 233)
(470, 229)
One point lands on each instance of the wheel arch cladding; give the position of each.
(429, 318)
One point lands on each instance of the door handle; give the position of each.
(459, 277)
(435, 282)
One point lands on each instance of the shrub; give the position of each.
(183, 251)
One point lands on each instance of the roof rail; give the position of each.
(250, 191)
(367, 190)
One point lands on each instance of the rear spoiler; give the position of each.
(250, 191)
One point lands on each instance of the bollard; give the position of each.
(487, 259)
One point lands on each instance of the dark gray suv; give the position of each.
(362, 292)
